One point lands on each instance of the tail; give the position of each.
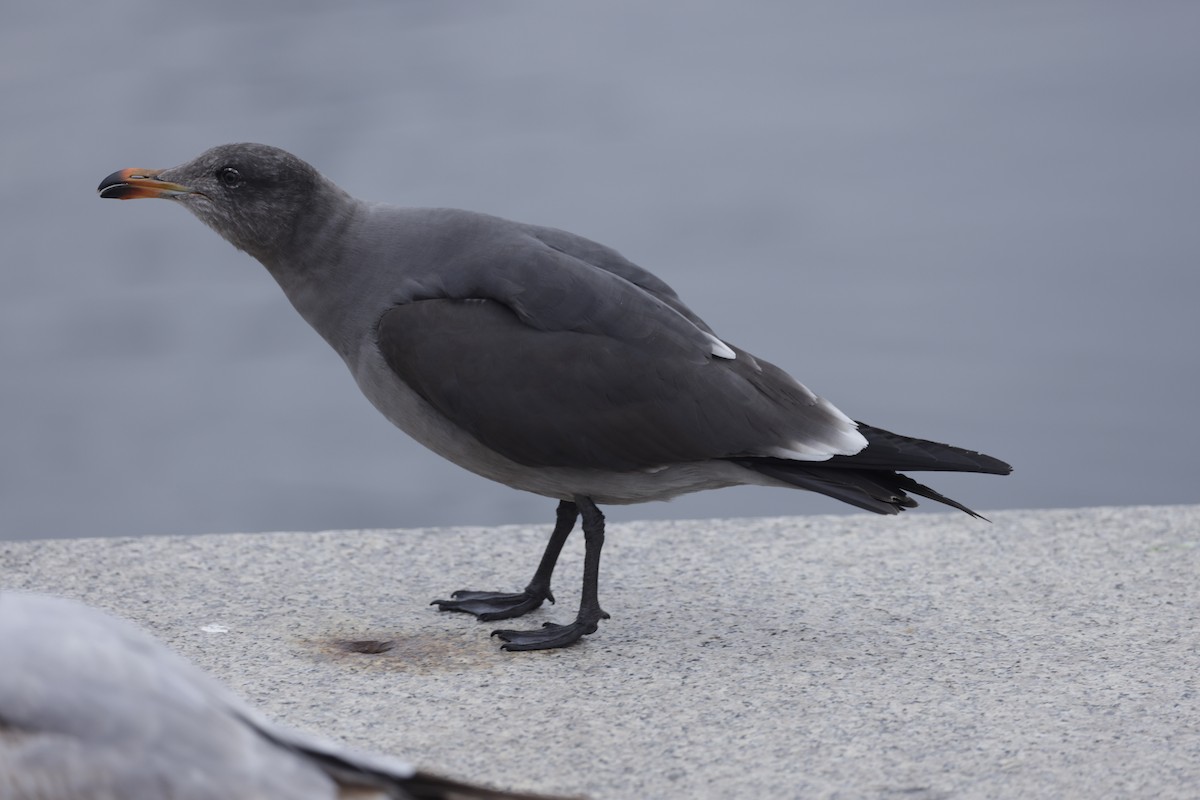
(424, 786)
(870, 478)
(383, 778)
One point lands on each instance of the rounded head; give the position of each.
(254, 195)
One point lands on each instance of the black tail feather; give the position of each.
(891, 451)
(909, 485)
(870, 479)
(856, 487)
(424, 786)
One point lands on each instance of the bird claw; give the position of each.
(487, 606)
(551, 635)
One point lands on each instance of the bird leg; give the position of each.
(498, 605)
(550, 635)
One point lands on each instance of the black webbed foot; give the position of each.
(494, 605)
(550, 635)
(497, 605)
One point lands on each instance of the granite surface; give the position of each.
(1048, 654)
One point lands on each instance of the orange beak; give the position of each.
(131, 184)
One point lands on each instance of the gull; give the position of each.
(539, 359)
(94, 708)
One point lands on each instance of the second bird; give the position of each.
(539, 359)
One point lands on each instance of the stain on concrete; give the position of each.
(416, 653)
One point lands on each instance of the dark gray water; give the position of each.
(978, 223)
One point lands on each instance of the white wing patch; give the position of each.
(719, 348)
(841, 438)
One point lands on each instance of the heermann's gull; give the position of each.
(93, 707)
(539, 359)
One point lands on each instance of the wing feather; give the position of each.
(582, 398)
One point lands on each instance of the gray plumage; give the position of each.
(532, 356)
(93, 708)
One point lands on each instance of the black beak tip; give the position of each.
(114, 186)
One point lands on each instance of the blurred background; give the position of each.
(976, 223)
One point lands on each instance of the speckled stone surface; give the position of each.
(1049, 654)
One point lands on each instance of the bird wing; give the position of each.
(621, 398)
(556, 284)
(605, 258)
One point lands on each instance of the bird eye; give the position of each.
(229, 177)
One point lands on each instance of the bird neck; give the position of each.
(317, 271)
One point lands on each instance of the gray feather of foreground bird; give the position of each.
(539, 359)
(93, 708)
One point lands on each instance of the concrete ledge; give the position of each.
(1050, 654)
